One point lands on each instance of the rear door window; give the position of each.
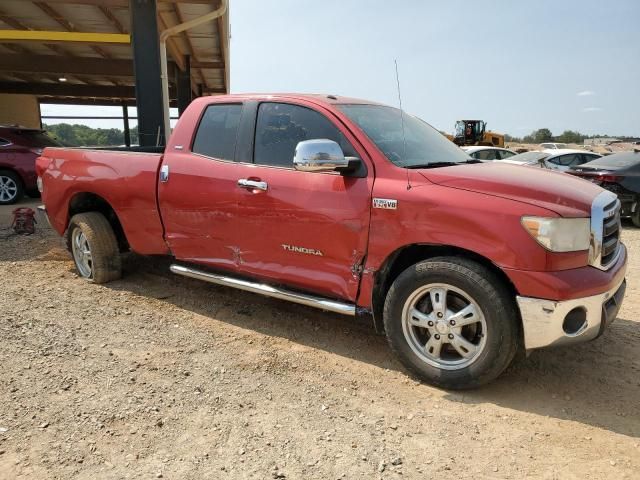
(487, 154)
(218, 131)
(4, 142)
(566, 160)
(505, 154)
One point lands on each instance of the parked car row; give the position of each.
(619, 173)
(19, 148)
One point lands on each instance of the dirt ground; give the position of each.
(157, 376)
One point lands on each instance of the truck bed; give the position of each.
(125, 179)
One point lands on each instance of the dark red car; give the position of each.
(19, 148)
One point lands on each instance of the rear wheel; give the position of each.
(11, 189)
(94, 247)
(452, 322)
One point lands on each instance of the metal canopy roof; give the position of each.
(101, 72)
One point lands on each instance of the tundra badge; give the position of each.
(308, 251)
(386, 203)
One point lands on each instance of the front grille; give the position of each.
(610, 233)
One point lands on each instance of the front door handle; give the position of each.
(164, 174)
(252, 184)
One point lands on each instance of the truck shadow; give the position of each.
(597, 383)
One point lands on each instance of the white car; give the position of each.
(488, 153)
(553, 146)
(553, 159)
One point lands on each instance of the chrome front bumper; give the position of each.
(545, 322)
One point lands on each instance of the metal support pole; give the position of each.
(163, 52)
(183, 85)
(146, 62)
(125, 119)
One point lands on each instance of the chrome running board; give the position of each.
(267, 290)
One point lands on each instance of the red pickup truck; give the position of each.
(359, 209)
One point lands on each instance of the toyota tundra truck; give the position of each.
(359, 209)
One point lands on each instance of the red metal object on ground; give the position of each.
(24, 221)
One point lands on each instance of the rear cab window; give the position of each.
(217, 132)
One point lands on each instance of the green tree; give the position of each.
(542, 135)
(569, 136)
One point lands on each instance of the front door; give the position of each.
(302, 229)
(197, 191)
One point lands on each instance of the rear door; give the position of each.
(197, 191)
(303, 229)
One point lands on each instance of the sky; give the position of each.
(559, 64)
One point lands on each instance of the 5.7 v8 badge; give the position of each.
(385, 203)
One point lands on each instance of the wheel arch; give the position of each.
(402, 258)
(84, 202)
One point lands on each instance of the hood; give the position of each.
(564, 194)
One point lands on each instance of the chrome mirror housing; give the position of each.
(320, 155)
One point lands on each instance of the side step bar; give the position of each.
(268, 290)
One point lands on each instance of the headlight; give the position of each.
(40, 184)
(559, 234)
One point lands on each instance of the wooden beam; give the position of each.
(192, 52)
(90, 101)
(112, 3)
(12, 22)
(112, 18)
(71, 90)
(214, 65)
(29, 63)
(65, 37)
(64, 23)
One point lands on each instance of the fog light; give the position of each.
(575, 321)
(40, 184)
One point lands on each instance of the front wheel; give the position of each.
(452, 322)
(94, 247)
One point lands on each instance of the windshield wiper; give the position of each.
(435, 164)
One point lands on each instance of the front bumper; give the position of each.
(552, 323)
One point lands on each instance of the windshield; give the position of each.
(36, 138)
(528, 157)
(419, 145)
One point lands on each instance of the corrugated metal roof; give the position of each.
(207, 44)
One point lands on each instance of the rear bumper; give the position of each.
(552, 323)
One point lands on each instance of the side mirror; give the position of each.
(322, 155)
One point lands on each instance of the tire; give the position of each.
(473, 350)
(11, 188)
(91, 233)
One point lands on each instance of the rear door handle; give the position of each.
(252, 184)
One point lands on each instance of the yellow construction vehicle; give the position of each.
(473, 132)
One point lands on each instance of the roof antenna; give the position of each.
(404, 139)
